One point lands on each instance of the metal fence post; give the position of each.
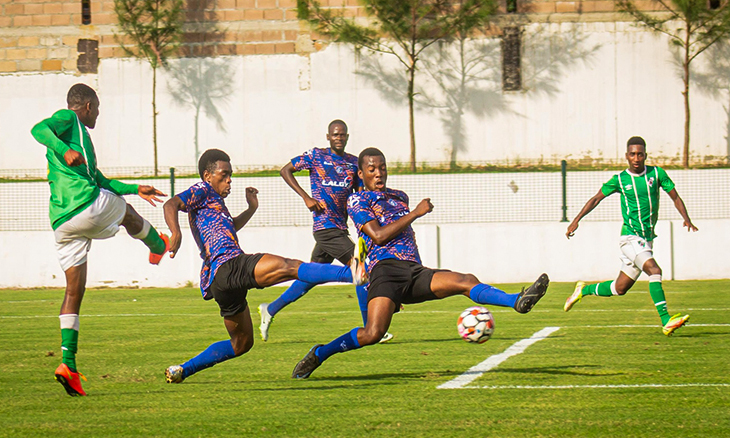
(172, 181)
(563, 171)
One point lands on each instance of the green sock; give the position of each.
(600, 289)
(69, 347)
(150, 237)
(657, 295)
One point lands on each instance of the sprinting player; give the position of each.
(383, 220)
(639, 188)
(228, 273)
(85, 205)
(333, 177)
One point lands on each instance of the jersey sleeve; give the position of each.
(194, 197)
(48, 131)
(665, 182)
(114, 186)
(359, 210)
(611, 186)
(304, 161)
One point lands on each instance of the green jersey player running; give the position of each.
(85, 205)
(639, 188)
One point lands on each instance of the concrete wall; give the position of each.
(495, 253)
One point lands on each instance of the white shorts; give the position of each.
(635, 251)
(100, 220)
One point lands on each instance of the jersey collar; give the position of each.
(637, 174)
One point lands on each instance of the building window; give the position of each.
(714, 4)
(88, 60)
(512, 6)
(511, 59)
(85, 11)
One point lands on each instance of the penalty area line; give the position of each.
(637, 385)
(491, 362)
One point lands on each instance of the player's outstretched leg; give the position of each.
(319, 353)
(140, 229)
(530, 296)
(575, 297)
(674, 323)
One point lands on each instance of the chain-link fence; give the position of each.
(457, 197)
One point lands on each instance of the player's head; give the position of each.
(83, 100)
(337, 136)
(373, 169)
(636, 154)
(215, 168)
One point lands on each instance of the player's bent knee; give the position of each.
(242, 346)
(370, 337)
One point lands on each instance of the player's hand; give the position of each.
(690, 226)
(150, 194)
(251, 198)
(175, 241)
(314, 205)
(73, 158)
(571, 230)
(424, 207)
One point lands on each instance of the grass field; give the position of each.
(607, 370)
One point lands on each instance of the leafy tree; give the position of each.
(403, 29)
(691, 25)
(154, 30)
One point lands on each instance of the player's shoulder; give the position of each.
(352, 159)
(397, 194)
(64, 115)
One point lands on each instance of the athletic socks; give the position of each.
(346, 342)
(657, 295)
(604, 289)
(150, 237)
(69, 339)
(486, 294)
(293, 293)
(362, 300)
(215, 353)
(318, 273)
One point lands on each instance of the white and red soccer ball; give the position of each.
(476, 324)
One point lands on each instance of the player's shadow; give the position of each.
(569, 370)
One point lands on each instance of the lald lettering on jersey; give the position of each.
(335, 183)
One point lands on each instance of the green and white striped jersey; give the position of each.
(639, 199)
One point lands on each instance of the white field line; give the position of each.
(637, 385)
(476, 371)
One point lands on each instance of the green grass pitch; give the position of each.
(607, 371)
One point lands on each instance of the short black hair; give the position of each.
(368, 152)
(79, 95)
(336, 122)
(637, 141)
(209, 158)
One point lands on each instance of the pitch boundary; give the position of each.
(617, 386)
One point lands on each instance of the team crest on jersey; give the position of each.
(392, 202)
(651, 181)
(339, 169)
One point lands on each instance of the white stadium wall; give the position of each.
(587, 88)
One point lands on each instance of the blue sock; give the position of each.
(324, 273)
(362, 300)
(346, 342)
(486, 294)
(215, 353)
(295, 291)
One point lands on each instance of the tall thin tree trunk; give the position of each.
(154, 114)
(411, 120)
(685, 94)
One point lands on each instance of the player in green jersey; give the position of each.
(85, 205)
(639, 188)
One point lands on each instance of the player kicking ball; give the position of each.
(383, 221)
(85, 205)
(639, 188)
(228, 273)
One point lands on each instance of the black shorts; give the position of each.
(402, 281)
(232, 281)
(332, 243)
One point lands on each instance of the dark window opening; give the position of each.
(88, 60)
(714, 4)
(511, 6)
(85, 11)
(511, 59)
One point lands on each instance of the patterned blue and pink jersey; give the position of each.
(332, 178)
(212, 228)
(385, 207)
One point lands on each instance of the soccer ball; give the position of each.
(476, 324)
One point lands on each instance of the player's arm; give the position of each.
(253, 204)
(679, 205)
(148, 193)
(287, 172)
(590, 205)
(171, 207)
(47, 132)
(383, 235)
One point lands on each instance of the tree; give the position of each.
(701, 23)
(403, 29)
(154, 29)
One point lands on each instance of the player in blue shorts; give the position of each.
(332, 177)
(383, 220)
(228, 273)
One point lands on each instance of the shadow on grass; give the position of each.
(563, 370)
